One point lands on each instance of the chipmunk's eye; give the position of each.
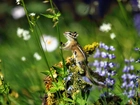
(70, 33)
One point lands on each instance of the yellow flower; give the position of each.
(90, 48)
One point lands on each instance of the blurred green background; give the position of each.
(25, 77)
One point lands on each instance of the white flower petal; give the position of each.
(49, 43)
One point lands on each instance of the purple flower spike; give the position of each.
(129, 79)
(103, 64)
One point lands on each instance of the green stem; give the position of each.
(122, 10)
(46, 60)
(43, 53)
(51, 3)
(61, 52)
(26, 12)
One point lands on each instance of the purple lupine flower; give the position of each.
(96, 63)
(103, 64)
(104, 55)
(98, 70)
(124, 84)
(131, 93)
(97, 54)
(106, 47)
(111, 48)
(111, 73)
(124, 77)
(137, 49)
(102, 73)
(111, 64)
(110, 81)
(129, 60)
(129, 79)
(128, 67)
(131, 84)
(111, 56)
(101, 45)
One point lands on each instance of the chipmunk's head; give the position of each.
(70, 35)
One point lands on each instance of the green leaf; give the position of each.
(58, 14)
(53, 90)
(68, 99)
(46, 72)
(94, 95)
(48, 16)
(57, 68)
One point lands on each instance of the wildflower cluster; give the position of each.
(22, 33)
(103, 64)
(129, 79)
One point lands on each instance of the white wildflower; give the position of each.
(26, 35)
(23, 58)
(105, 27)
(32, 14)
(18, 2)
(19, 32)
(18, 12)
(112, 35)
(49, 43)
(23, 34)
(37, 56)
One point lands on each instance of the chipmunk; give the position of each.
(79, 55)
